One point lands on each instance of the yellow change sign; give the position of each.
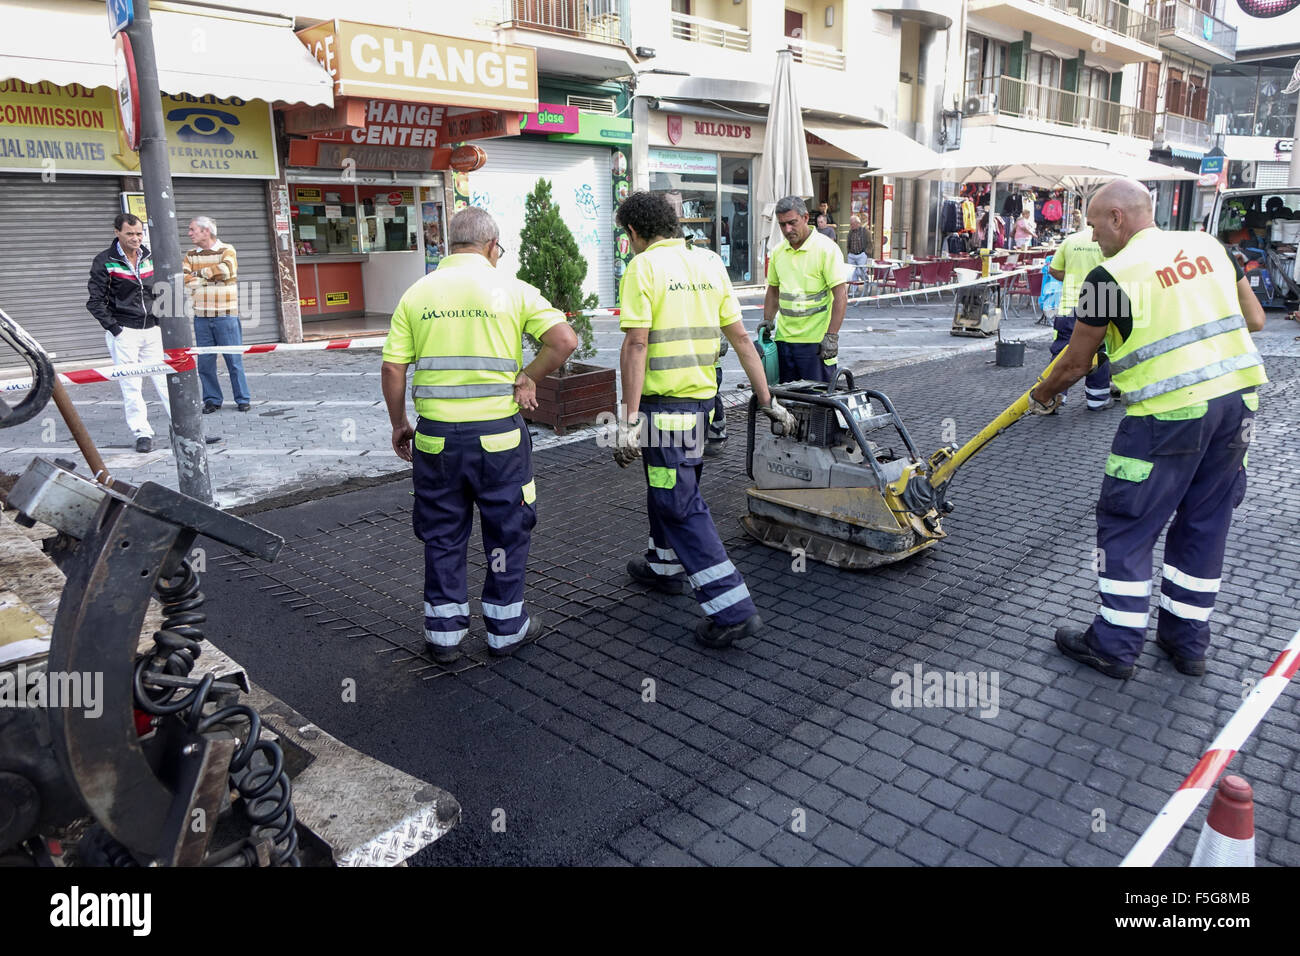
(74, 129)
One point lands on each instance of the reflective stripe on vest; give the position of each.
(463, 391)
(1205, 373)
(1176, 341)
(465, 363)
(683, 333)
(797, 304)
(689, 360)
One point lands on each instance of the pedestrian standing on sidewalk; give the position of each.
(806, 285)
(1176, 314)
(211, 279)
(121, 300)
(859, 250)
(676, 304)
(463, 325)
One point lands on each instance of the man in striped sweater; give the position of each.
(211, 279)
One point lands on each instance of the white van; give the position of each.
(1261, 230)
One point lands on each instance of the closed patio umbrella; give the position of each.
(785, 170)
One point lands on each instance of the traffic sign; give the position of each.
(121, 14)
(128, 92)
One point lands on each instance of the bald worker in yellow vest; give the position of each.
(462, 325)
(1176, 314)
(676, 305)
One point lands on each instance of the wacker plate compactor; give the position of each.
(841, 498)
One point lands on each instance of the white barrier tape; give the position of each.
(1216, 758)
(109, 373)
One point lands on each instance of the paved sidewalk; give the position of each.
(617, 739)
(318, 417)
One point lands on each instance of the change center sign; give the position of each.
(74, 129)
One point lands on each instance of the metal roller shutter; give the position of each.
(49, 235)
(1271, 175)
(238, 206)
(580, 184)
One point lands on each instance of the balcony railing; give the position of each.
(1189, 20)
(606, 21)
(816, 54)
(1115, 16)
(1185, 131)
(710, 33)
(1031, 101)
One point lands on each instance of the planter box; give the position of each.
(580, 396)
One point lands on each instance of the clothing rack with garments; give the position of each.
(958, 224)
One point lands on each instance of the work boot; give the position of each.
(639, 570)
(711, 634)
(143, 444)
(442, 653)
(534, 631)
(1191, 666)
(1073, 643)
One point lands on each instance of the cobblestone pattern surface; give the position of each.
(788, 749)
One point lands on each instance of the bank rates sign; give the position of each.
(74, 129)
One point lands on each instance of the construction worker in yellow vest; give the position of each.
(1076, 257)
(676, 304)
(807, 294)
(463, 326)
(1176, 314)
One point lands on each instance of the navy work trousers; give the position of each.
(1096, 386)
(797, 361)
(459, 465)
(1193, 470)
(683, 536)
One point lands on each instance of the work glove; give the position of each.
(770, 325)
(783, 423)
(830, 345)
(1040, 408)
(724, 348)
(627, 444)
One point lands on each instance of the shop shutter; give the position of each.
(580, 183)
(1271, 175)
(239, 208)
(49, 235)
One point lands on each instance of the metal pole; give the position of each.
(79, 433)
(177, 330)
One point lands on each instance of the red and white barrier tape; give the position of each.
(109, 373)
(185, 357)
(1201, 780)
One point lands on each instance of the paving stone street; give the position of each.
(616, 739)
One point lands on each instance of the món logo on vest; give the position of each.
(1183, 268)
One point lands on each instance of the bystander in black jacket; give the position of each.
(118, 299)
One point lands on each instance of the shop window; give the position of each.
(325, 221)
(388, 220)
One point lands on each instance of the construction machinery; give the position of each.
(833, 494)
(160, 751)
(978, 310)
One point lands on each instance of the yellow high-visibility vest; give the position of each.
(1189, 341)
(684, 297)
(463, 326)
(806, 277)
(1078, 255)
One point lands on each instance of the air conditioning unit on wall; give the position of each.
(979, 103)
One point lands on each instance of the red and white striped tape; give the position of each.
(185, 357)
(109, 373)
(1192, 791)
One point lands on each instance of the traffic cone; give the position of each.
(1228, 837)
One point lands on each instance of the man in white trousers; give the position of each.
(121, 300)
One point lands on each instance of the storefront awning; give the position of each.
(254, 58)
(1187, 153)
(877, 147)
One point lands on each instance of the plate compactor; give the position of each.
(978, 310)
(834, 495)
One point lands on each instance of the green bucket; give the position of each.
(766, 349)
